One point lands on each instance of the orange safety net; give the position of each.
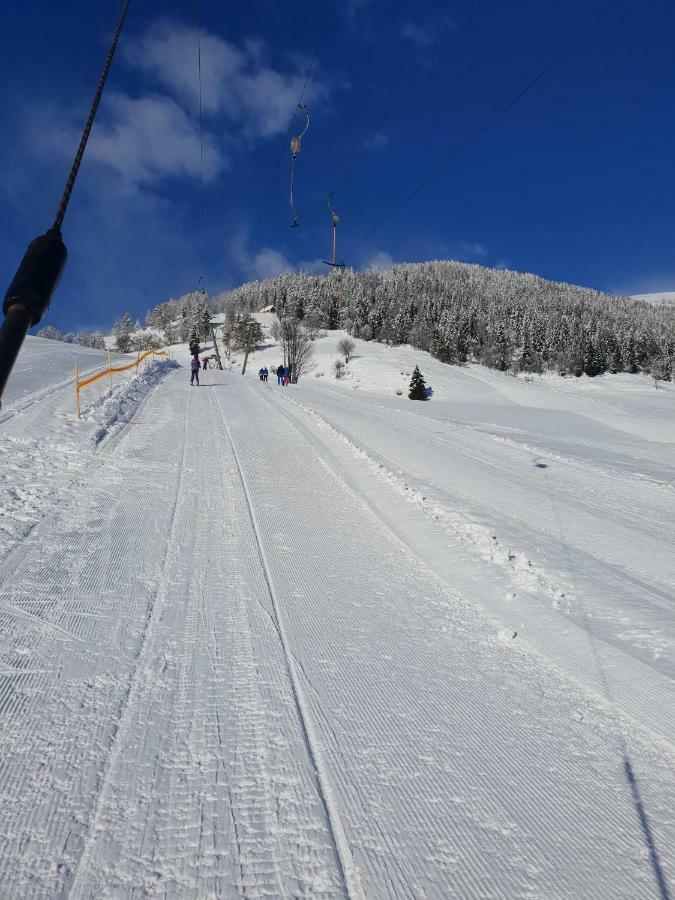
(105, 373)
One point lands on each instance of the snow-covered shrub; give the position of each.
(339, 369)
(346, 348)
(144, 340)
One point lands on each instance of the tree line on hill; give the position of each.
(92, 339)
(461, 312)
(457, 311)
(186, 320)
(182, 320)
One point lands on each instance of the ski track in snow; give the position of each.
(234, 662)
(575, 649)
(606, 559)
(350, 874)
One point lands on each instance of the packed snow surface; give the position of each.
(323, 641)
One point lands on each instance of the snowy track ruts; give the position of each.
(504, 467)
(571, 645)
(350, 874)
(210, 791)
(455, 766)
(592, 557)
(24, 403)
(71, 608)
(140, 672)
(460, 765)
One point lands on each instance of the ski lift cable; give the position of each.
(492, 121)
(201, 142)
(296, 146)
(37, 277)
(275, 174)
(349, 168)
(70, 184)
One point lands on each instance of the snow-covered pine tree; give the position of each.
(50, 333)
(616, 362)
(418, 387)
(593, 362)
(662, 368)
(502, 349)
(193, 339)
(123, 339)
(97, 341)
(203, 317)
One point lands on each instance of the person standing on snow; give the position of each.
(287, 374)
(266, 372)
(280, 375)
(194, 368)
(205, 362)
(261, 374)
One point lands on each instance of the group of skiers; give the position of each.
(283, 374)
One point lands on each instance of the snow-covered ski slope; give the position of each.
(43, 372)
(320, 641)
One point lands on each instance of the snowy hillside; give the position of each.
(462, 312)
(667, 297)
(323, 641)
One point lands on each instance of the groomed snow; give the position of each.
(322, 641)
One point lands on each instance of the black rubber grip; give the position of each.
(38, 275)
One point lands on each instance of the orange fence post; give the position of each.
(108, 372)
(77, 390)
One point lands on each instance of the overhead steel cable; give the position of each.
(70, 184)
(35, 281)
(284, 150)
(349, 167)
(495, 118)
(201, 145)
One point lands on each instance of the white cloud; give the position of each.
(472, 250)
(313, 266)
(156, 135)
(380, 261)
(267, 262)
(149, 138)
(424, 34)
(376, 141)
(236, 82)
(264, 264)
(169, 52)
(130, 248)
(142, 140)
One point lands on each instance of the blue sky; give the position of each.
(575, 182)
